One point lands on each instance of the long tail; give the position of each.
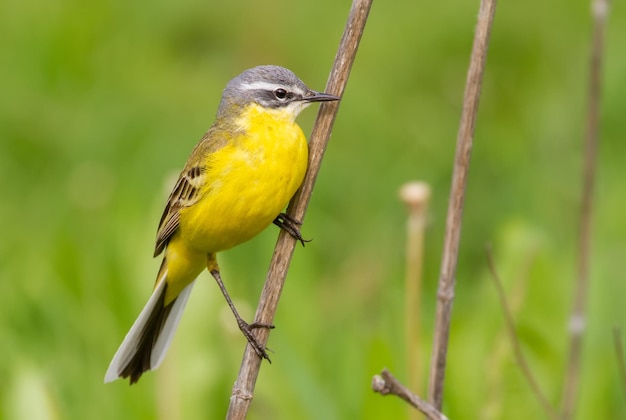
(146, 343)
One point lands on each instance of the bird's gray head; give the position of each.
(271, 87)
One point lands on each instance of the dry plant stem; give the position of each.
(386, 384)
(243, 389)
(517, 348)
(619, 355)
(492, 408)
(445, 293)
(578, 316)
(415, 195)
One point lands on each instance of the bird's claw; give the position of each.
(290, 225)
(246, 329)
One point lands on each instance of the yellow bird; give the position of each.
(236, 182)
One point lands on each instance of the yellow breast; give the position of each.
(249, 181)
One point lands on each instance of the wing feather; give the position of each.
(188, 189)
(186, 193)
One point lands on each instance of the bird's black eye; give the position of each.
(280, 93)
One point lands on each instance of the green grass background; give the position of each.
(101, 103)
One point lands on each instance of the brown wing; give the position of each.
(186, 192)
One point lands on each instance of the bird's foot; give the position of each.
(246, 329)
(291, 226)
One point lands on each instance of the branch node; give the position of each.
(380, 385)
(386, 384)
(239, 393)
(445, 295)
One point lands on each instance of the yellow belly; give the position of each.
(248, 183)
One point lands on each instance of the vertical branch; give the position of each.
(416, 196)
(243, 389)
(578, 316)
(445, 293)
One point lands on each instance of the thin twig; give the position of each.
(447, 280)
(517, 348)
(386, 384)
(243, 389)
(415, 195)
(619, 355)
(492, 409)
(578, 316)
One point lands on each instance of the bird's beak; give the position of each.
(314, 96)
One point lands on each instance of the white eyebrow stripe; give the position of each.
(261, 85)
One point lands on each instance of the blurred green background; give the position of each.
(103, 101)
